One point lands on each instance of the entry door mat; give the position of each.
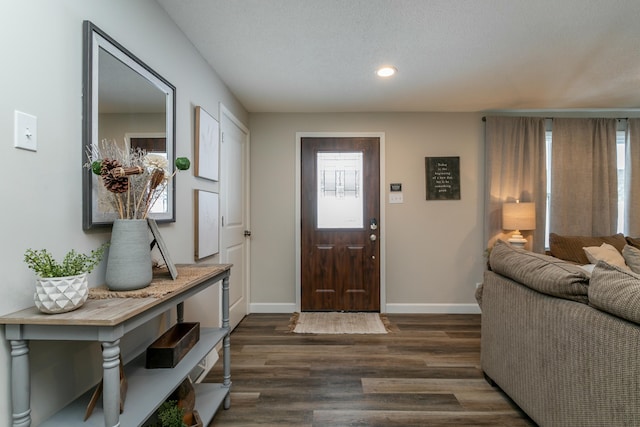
(339, 323)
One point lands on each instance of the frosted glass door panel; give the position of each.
(340, 202)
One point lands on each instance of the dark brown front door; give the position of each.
(340, 208)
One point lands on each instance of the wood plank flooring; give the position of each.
(426, 372)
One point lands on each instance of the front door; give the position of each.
(340, 210)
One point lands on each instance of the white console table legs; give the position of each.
(226, 342)
(111, 383)
(20, 384)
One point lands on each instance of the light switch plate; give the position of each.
(395, 197)
(25, 131)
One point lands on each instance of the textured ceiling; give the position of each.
(451, 55)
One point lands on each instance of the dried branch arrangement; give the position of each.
(135, 179)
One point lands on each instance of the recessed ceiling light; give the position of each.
(386, 71)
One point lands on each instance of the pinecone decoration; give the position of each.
(112, 183)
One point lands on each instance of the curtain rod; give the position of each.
(484, 118)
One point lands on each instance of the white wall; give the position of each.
(434, 249)
(41, 74)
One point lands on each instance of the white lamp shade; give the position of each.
(519, 216)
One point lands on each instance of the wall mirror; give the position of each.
(127, 105)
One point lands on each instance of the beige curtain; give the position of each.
(584, 183)
(515, 169)
(632, 179)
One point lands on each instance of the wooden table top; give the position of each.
(114, 310)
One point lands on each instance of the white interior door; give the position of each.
(234, 206)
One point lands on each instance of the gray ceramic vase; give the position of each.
(129, 261)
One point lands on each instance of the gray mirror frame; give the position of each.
(93, 39)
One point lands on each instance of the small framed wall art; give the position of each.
(207, 146)
(206, 211)
(443, 178)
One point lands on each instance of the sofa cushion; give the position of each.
(542, 273)
(616, 291)
(569, 248)
(606, 253)
(632, 257)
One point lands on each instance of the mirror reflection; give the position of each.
(129, 106)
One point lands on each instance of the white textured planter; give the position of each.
(61, 294)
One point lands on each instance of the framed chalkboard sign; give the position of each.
(443, 178)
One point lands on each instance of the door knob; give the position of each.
(373, 237)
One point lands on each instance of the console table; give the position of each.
(106, 321)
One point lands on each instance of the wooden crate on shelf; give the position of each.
(173, 345)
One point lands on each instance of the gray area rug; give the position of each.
(338, 323)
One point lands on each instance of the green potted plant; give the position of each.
(170, 414)
(62, 286)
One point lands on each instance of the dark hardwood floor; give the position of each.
(426, 372)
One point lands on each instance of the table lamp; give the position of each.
(518, 216)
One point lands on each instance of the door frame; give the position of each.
(381, 224)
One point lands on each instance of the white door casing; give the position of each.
(234, 208)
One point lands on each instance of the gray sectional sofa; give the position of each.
(562, 343)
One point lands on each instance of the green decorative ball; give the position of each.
(183, 163)
(96, 167)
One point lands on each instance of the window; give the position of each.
(620, 145)
(548, 213)
(339, 181)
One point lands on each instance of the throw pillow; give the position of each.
(633, 241)
(605, 252)
(569, 248)
(616, 291)
(539, 272)
(632, 258)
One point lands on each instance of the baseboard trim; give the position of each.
(390, 308)
(272, 308)
(434, 308)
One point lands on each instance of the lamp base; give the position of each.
(517, 240)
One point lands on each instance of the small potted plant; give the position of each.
(173, 414)
(62, 286)
(170, 414)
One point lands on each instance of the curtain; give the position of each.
(515, 169)
(584, 183)
(632, 179)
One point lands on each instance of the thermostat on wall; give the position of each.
(396, 187)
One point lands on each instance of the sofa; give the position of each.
(562, 339)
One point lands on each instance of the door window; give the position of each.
(339, 193)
